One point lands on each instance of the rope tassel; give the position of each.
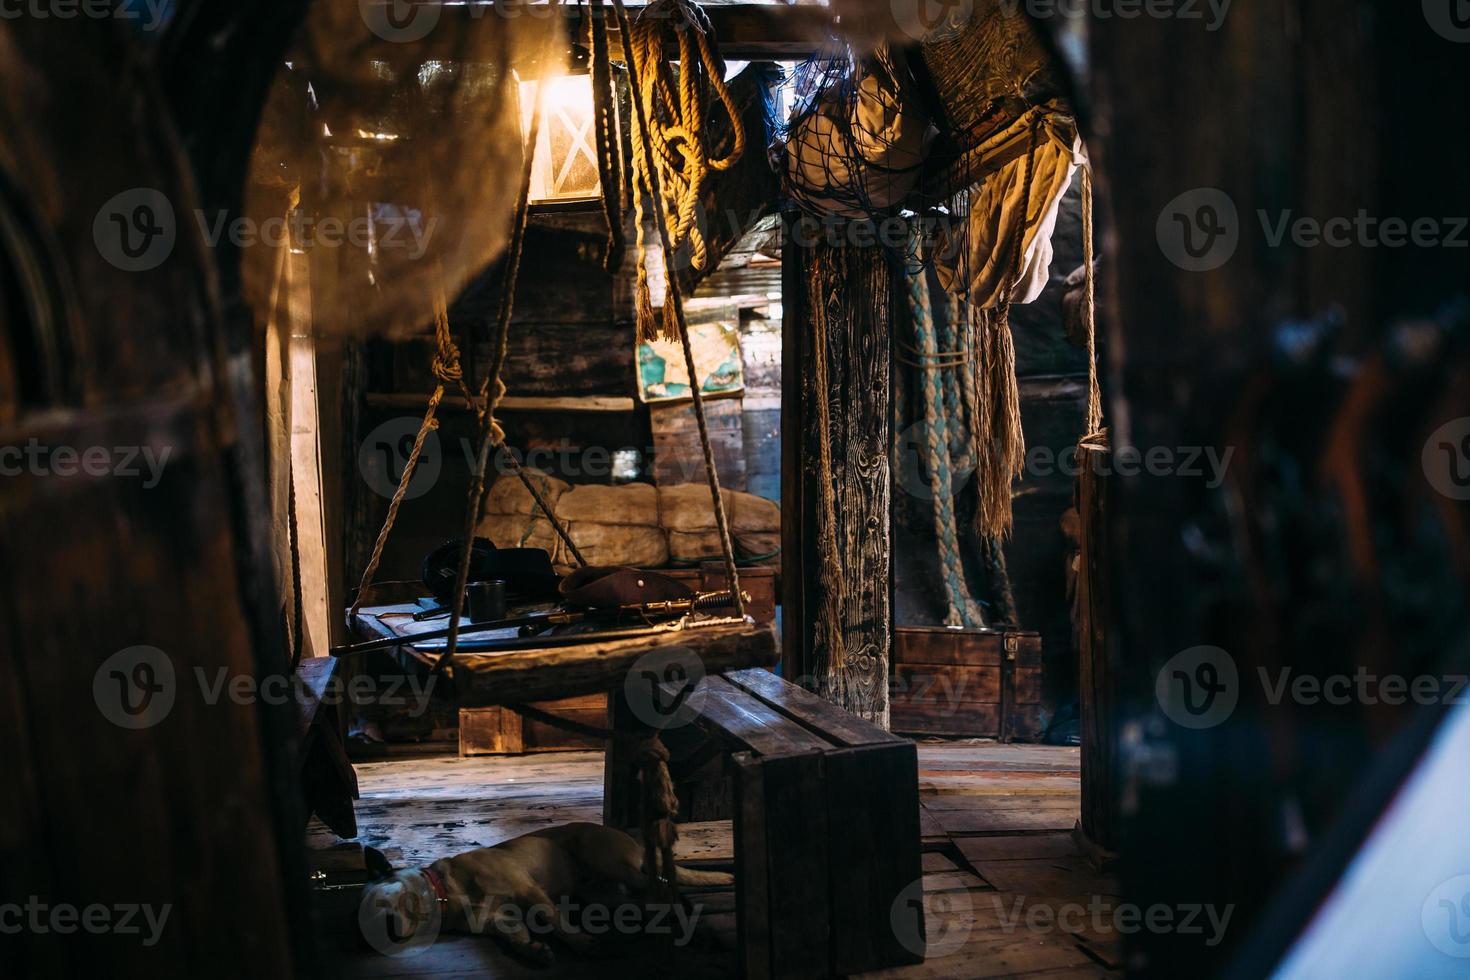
(1000, 444)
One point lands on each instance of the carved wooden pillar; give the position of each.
(850, 286)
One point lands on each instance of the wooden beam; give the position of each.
(510, 403)
(745, 31)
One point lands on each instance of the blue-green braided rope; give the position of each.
(962, 611)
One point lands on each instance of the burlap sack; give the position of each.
(757, 528)
(509, 521)
(508, 495)
(689, 518)
(615, 525)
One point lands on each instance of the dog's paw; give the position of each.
(533, 951)
(579, 942)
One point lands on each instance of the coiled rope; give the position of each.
(644, 128)
(672, 159)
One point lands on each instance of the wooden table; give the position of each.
(484, 679)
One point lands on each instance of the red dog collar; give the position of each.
(436, 882)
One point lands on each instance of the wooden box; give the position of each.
(826, 827)
(500, 731)
(966, 682)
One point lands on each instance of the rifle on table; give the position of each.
(648, 616)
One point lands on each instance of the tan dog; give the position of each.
(513, 889)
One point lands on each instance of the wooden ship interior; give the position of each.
(880, 478)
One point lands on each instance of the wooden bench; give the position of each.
(826, 825)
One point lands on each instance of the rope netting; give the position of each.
(963, 145)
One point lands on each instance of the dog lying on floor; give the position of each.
(514, 888)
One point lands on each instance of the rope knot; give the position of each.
(445, 362)
(660, 806)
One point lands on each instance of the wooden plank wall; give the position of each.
(853, 284)
(572, 336)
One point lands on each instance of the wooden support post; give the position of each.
(1096, 679)
(852, 286)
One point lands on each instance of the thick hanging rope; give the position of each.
(959, 325)
(941, 416)
(660, 808)
(1089, 308)
(609, 149)
(674, 302)
(672, 158)
(446, 369)
(492, 391)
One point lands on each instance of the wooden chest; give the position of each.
(500, 731)
(964, 682)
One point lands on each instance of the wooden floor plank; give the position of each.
(934, 861)
(994, 819)
(1045, 876)
(979, 850)
(1006, 801)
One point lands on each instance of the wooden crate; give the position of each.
(826, 826)
(500, 731)
(977, 683)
